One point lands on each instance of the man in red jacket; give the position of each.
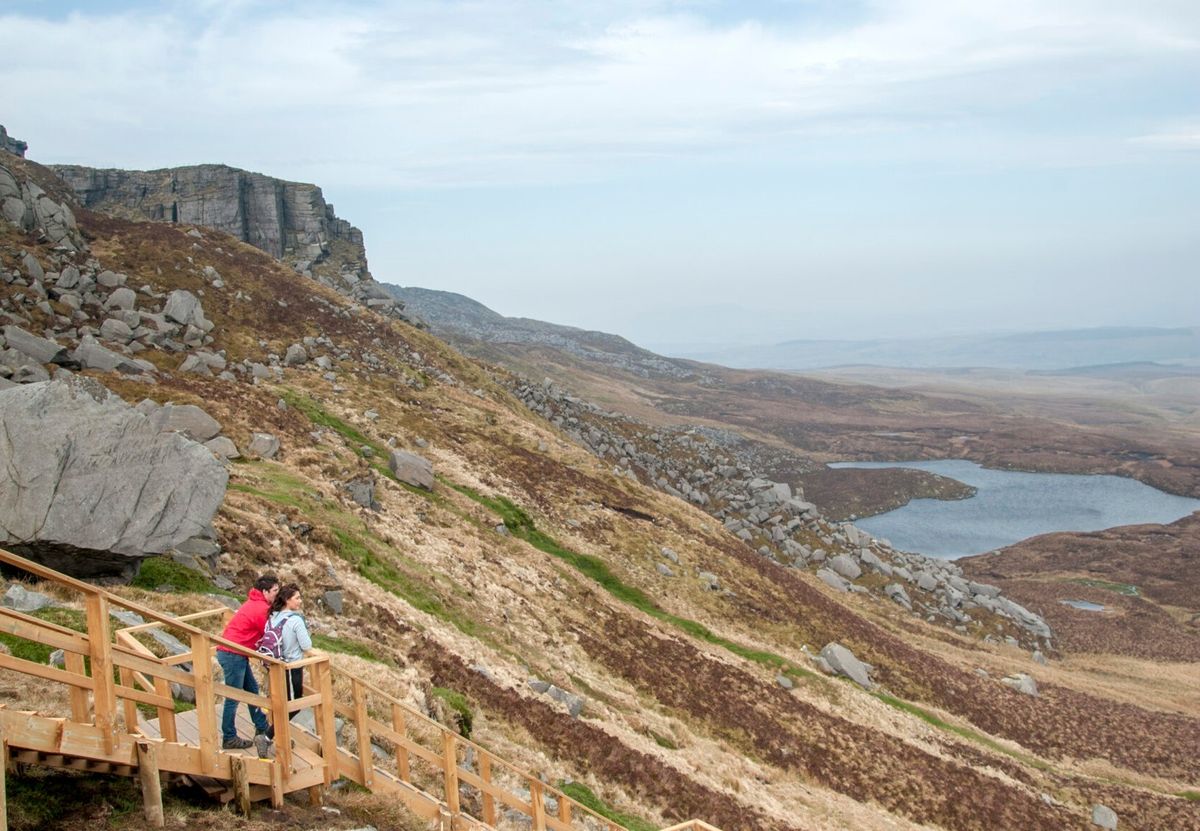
(245, 628)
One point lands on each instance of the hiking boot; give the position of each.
(263, 745)
(236, 743)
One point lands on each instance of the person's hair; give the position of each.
(266, 582)
(285, 594)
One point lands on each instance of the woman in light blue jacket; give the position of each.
(285, 617)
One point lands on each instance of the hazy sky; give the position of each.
(679, 171)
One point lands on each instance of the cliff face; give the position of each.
(12, 145)
(289, 220)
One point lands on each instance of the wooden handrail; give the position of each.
(146, 678)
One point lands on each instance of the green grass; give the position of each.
(44, 799)
(663, 741)
(1120, 588)
(346, 646)
(163, 571)
(521, 526)
(457, 702)
(38, 652)
(323, 418)
(1191, 796)
(966, 733)
(583, 795)
(382, 573)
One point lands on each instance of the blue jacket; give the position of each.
(296, 640)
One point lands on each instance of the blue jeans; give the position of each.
(238, 675)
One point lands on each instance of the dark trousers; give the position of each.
(238, 675)
(295, 689)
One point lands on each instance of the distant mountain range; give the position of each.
(1055, 350)
(461, 318)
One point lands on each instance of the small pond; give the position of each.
(1010, 506)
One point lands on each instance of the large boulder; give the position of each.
(843, 662)
(411, 469)
(89, 486)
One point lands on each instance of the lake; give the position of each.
(1011, 506)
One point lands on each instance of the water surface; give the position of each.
(1010, 506)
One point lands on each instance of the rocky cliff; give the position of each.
(291, 221)
(12, 145)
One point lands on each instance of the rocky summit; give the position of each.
(639, 604)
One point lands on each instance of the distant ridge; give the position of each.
(1048, 350)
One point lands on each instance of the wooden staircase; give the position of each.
(115, 681)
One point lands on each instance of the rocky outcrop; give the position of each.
(8, 144)
(291, 221)
(719, 471)
(90, 485)
(27, 205)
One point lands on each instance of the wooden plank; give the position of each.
(421, 752)
(147, 758)
(325, 722)
(35, 629)
(401, 728)
(3, 786)
(298, 704)
(450, 770)
(538, 803)
(100, 650)
(208, 736)
(363, 726)
(241, 784)
(50, 673)
(126, 691)
(279, 720)
(489, 801)
(564, 809)
(132, 695)
(276, 784)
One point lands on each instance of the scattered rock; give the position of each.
(262, 446)
(187, 419)
(1022, 683)
(1104, 816)
(843, 662)
(223, 447)
(20, 599)
(411, 469)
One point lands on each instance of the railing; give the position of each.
(434, 769)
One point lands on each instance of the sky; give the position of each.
(681, 172)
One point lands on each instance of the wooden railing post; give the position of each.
(206, 701)
(450, 770)
(564, 809)
(537, 800)
(489, 801)
(73, 662)
(327, 727)
(366, 763)
(147, 759)
(104, 693)
(278, 678)
(400, 726)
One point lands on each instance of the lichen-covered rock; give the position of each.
(844, 662)
(89, 485)
(412, 469)
(262, 446)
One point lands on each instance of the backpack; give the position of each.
(271, 644)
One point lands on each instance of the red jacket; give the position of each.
(247, 624)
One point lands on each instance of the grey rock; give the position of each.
(1022, 683)
(184, 308)
(32, 267)
(843, 662)
(574, 703)
(412, 469)
(333, 600)
(262, 446)
(710, 581)
(116, 330)
(1104, 816)
(96, 484)
(664, 570)
(872, 561)
(1039, 657)
(783, 681)
(91, 355)
(833, 579)
(846, 567)
(296, 355)
(20, 599)
(122, 298)
(223, 447)
(362, 492)
(188, 419)
(670, 555)
(926, 581)
(897, 593)
(42, 350)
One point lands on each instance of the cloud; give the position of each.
(433, 94)
(1178, 137)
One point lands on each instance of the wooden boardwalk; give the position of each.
(382, 744)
